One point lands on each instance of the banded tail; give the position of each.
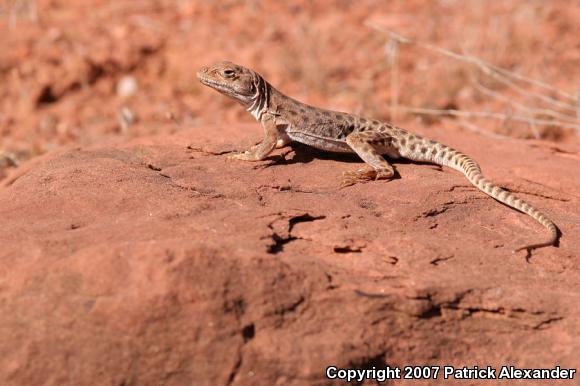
(446, 156)
(472, 171)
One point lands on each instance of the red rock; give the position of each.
(158, 261)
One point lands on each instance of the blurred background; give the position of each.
(80, 72)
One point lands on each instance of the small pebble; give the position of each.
(127, 86)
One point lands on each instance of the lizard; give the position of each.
(285, 119)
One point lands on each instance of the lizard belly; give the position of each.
(322, 143)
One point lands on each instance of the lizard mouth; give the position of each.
(212, 83)
(223, 88)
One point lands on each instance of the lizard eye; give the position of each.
(229, 73)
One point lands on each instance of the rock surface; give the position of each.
(159, 261)
(77, 74)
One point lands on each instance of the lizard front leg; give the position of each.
(283, 140)
(366, 146)
(261, 151)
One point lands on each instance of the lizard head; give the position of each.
(232, 80)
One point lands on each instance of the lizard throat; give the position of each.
(260, 99)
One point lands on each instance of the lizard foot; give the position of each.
(365, 175)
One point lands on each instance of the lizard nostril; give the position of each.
(202, 71)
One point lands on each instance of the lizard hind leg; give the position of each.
(365, 145)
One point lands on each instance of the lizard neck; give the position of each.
(268, 100)
(260, 103)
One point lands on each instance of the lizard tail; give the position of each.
(472, 171)
(446, 156)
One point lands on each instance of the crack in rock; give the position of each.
(393, 260)
(236, 368)
(532, 319)
(430, 213)
(281, 189)
(465, 187)
(291, 307)
(248, 333)
(281, 240)
(535, 194)
(439, 260)
(371, 295)
(543, 323)
(435, 212)
(558, 151)
(286, 188)
(204, 151)
(153, 167)
(347, 249)
(202, 192)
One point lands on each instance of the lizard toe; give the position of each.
(384, 174)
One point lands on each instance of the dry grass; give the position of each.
(528, 101)
(19, 9)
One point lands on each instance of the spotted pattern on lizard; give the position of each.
(285, 119)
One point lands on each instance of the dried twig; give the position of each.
(546, 112)
(508, 82)
(392, 51)
(16, 8)
(562, 101)
(477, 129)
(499, 73)
(487, 114)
